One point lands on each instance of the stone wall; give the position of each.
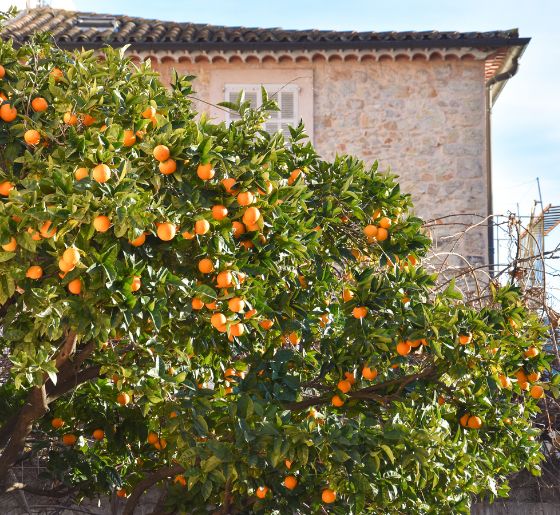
(424, 119)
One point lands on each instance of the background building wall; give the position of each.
(423, 119)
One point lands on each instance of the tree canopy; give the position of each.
(215, 310)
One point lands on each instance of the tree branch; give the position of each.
(35, 407)
(146, 483)
(54, 392)
(366, 393)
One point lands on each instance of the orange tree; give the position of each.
(207, 308)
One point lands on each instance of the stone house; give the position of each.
(417, 101)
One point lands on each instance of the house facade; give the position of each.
(419, 102)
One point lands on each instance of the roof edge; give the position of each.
(299, 45)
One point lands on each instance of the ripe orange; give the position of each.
(101, 223)
(98, 434)
(129, 138)
(294, 338)
(218, 320)
(504, 381)
(403, 348)
(328, 496)
(69, 439)
(224, 279)
(65, 266)
(229, 373)
(464, 420)
(228, 390)
(464, 339)
(205, 171)
(219, 212)
(32, 137)
(247, 244)
(245, 198)
(136, 283)
(521, 376)
(71, 255)
(385, 222)
(11, 246)
(236, 304)
(382, 234)
(212, 306)
(122, 493)
(261, 492)
(474, 422)
(75, 286)
(5, 188)
(290, 482)
(205, 266)
(266, 324)
(238, 229)
(288, 464)
(251, 215)
(8, 113)
(137, 242)
(34, 272)
(101, 173)
(531, 352)
(197, 304)
(250, 314)
(344, 386)
(350, 377)
(201, 226)
(70, 118)
(81, 173)
(166, 231)
(347, 295)
(180, 479)
(2, 72)
(168, 167)
(359, 312)
(536, 391)
(152, 438)
(46, 231)
(149, 113)
(337, 401)
(87, 120)
(187, 235)
(57, 422)
(533, 377)
(523, 385)
(369, 373)
(293, 176)
(370, 231)
(35, 235)
(57, 74)
(161, 153)
(228, 184)
(123, 398)
(237, 329)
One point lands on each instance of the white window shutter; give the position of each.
(285, 95)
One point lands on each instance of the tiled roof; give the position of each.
(90, 30)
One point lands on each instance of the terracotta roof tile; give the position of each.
(92, 30)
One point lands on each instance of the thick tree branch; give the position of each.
(35, 407)
(54, 392)
(146, 483)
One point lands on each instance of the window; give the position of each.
(286, 97)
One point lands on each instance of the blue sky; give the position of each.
(526, 134)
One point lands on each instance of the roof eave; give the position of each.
(206, 46)
(515, 53)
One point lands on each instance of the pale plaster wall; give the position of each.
(424, 119)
